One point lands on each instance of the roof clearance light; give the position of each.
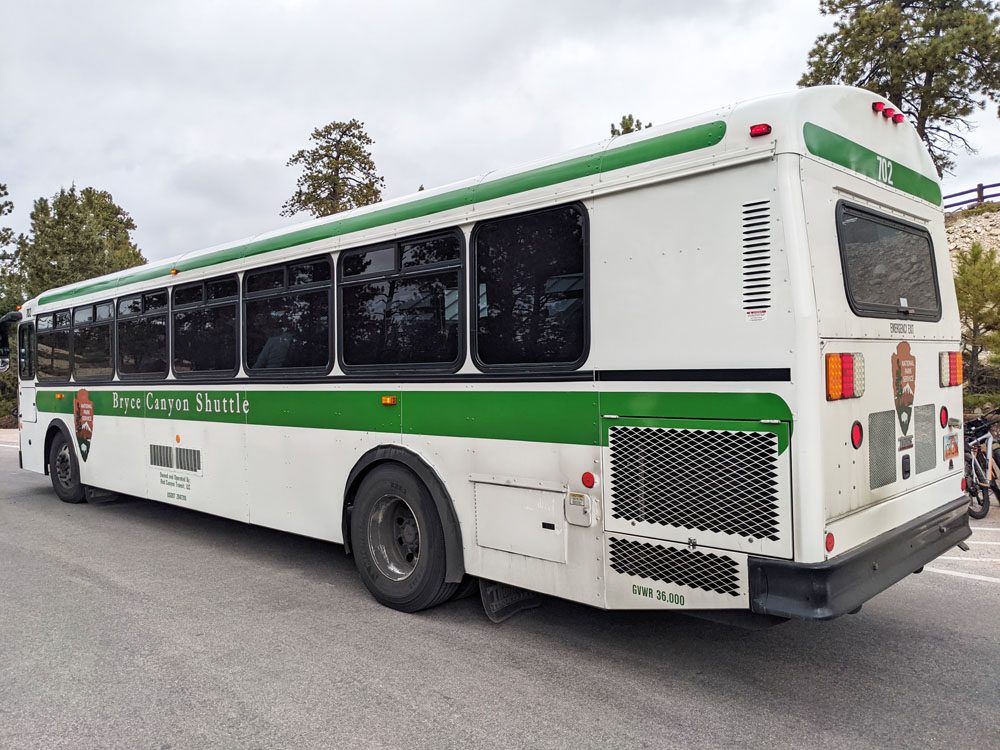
(888, 112)
(950, 368)
(878, 106)
(845, 376)
(761, 129)
(898, 118)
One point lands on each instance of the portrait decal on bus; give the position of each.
(83, 421)
(904, 380)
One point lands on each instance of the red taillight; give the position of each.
(898, 118)
(878, 106)
(950, 368)
(965, 485)
(857, 435)
(944, 416)
(830, 541)
(888, 112)
(588, 480)
(845, 376)
(758, 130)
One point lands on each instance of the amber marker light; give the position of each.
(174, 271)
(60, 395)
(389, 400)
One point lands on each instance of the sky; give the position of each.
(186, 112)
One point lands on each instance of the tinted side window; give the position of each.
(409, 311)
(287, 317)
(53, 359)
(142, 337)
(92, 343)
(531, 289)
(205, 331)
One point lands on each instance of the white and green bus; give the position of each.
(708, 366)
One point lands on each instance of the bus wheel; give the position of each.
(65, 471)
(398, 541)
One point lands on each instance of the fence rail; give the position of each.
(981, 196)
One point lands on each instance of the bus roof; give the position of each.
(833, 123)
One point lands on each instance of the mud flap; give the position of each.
(502, 601)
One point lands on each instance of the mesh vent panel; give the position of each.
(161, 455)
(757, 255)
(188, 459)
(678, 565)
(925, 438)
(664, 476)
(881, 448)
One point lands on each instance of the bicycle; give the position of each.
(982, 463)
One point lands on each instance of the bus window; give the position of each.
(888, 266)
(287, 314)
(25, 352)
(205, 330)
(92, 342)
(531, 285)
(142, 335)
(53, 361)
(408, 312)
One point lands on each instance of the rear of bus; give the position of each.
(878, 430)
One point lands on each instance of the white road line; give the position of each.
(970, 559)
(986, 544)
(5, 445)
(985, 528)
(988, 579)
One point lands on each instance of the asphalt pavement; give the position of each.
(133, 624)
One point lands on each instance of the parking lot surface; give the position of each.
(132, 624)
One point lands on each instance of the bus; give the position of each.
(712, 367)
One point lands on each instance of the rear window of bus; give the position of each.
(888, 266)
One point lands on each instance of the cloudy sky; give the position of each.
(187, 111)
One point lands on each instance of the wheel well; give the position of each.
(388, 454)
(54, 427)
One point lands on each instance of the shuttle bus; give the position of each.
(710, 366)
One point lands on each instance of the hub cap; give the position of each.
(64, 467)
(393, 537)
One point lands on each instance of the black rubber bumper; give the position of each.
(822, 591)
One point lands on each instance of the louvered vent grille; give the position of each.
(188, 459)
(881, 449)
(757, 255)
(162, 456)
(924, 438)
(664, 476)
(677, 565)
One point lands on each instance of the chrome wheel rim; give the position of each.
(64, 467)
(393, 537)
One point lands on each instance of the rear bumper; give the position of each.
(822, 591)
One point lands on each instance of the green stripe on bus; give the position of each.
(828, 145)
(658, 147)
(571, 417)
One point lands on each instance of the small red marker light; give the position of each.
(944, 416)
(588, 480)
(857, 435)
(898, 118)
(829, 542)
(965, 485)
(878, 106)
(758, 130)
(888, 112)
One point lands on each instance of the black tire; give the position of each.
(64, 470)
(398, 541)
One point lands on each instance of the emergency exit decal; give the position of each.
(904, 380)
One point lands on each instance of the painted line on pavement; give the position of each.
(986, 544)
(970, 559)
(985, 528)
(974, 577)
(7, 445)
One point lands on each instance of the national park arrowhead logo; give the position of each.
(904, 381)
(83, 421)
